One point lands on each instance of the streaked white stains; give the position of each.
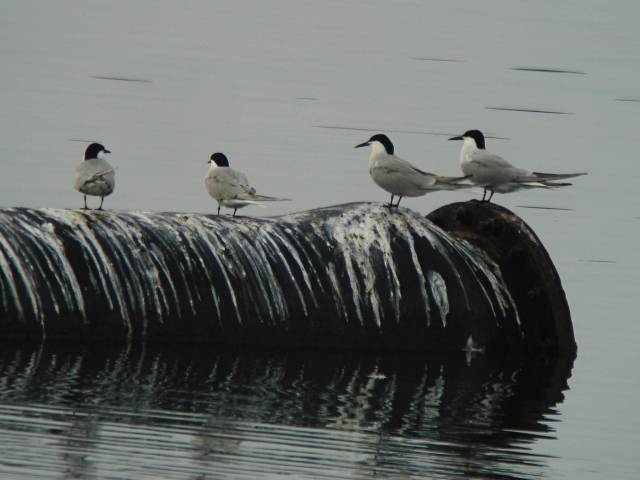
(368, 263)
(439, 292)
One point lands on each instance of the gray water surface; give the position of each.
(286, 89)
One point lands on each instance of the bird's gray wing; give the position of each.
(222, 178)
(427, 178)
(399, 171)
(222, 184)
(95, 174)
(417, 170)
(484, 159)
(545, 177)
(453, 183)
(246, 190)
(99, 176)
(398, 165)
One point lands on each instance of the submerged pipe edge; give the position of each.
(349, 276)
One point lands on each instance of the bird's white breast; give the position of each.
(469, 147)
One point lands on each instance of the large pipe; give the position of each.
(355, 275)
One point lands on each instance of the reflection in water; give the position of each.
(77, 441)
(194, 412)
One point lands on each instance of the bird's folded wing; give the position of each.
(540, 176)
(420, 176)
(247, 191)
(422, 172)
(223, 180)
(265, 198)
(546, 184)
(401, 167)
(455, 180)
(98, 176)
(483, 159)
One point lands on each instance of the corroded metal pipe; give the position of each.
(355, 275)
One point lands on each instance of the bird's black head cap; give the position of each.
(477, 136)
(93, 150)
(383, 139)
(220, 159)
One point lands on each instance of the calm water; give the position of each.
(286, 89)
(180, 412)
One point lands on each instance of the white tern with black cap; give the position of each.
(230, 187)
(95, 176)
(495, 174)
(399, 177)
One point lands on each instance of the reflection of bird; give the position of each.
(96, 176)
(230, 187)
(495, 174)
(399, 177)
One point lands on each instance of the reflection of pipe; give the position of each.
(355, 275)
(465, 415)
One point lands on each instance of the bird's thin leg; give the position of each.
(398, 203)
(101, 200)
(490, 196)
(484, 194)
(85, 203)
(391, 201)
(234, 211)
(218, 209)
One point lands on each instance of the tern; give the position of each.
(95, 176)
(495, 174)
(230, 187)
(399, 177)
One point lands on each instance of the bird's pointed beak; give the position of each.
(106, 151)
(365, 144)
(459, 137)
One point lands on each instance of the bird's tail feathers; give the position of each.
(453, 179)
(544, 184)
(556, 184)
(241, 202)
(453, 183)
(265, 198)
(543, 177)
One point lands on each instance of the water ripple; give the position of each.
(529, 110)
(121, 79)
(548, 70)
(149, 412)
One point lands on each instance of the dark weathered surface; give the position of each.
(355, 276)
(525, 265)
